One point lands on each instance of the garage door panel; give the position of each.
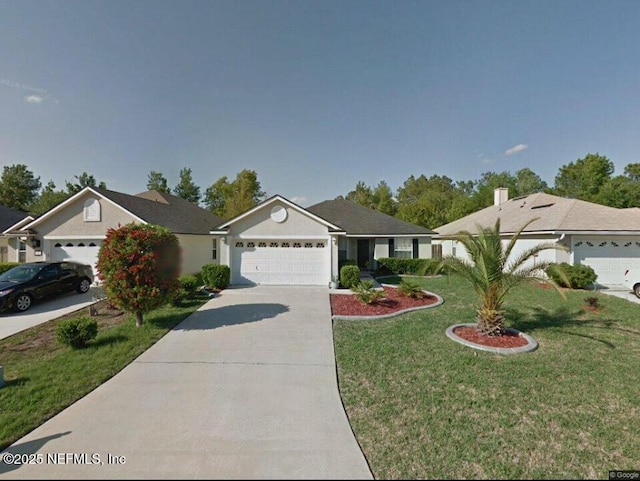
(286, 262)
(608, 258)
(84, 251)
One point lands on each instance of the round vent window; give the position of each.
(278, 214)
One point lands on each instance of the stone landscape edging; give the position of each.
(531, 346)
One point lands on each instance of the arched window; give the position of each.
(58, 244)
(81, 244)
(92, 210)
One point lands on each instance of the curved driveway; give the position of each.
(243, 388)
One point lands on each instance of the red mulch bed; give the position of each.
(349, 305)
(469, 333)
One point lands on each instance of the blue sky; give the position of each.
(315, 96)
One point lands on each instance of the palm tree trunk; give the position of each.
(490, 322)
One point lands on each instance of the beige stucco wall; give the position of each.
(424, 247)
(69, 221)
(260, 225)
(197, 250)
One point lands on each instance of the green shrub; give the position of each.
(5, 266)
(575, 277)
(187, 289)
(401, 265)
(77, 332)
(366, 293)
(216, 276)
(349, 276)
(346, 262)
(410, 289)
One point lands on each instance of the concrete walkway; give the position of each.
(244, 388)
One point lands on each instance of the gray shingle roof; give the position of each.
(356, 219)
(553, 213)
(10, 216)
(178, 215)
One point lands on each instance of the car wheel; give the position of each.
(636, 290)
(23, 302)
(84, 286)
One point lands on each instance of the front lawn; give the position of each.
(422, 406)
(42, 377)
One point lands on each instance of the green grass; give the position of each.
(43, 377)
(423, 406)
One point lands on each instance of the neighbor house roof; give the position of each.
(153, 207)
(553, 213)
(178, 215)
(10, 217)
(356, 219)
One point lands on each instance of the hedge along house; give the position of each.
(279, 242)
(604, 238)
(74, 229)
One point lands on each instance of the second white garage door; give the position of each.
(290, 262)
(608, 258)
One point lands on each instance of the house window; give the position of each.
(403, 248)
(251, 244)
(297, 245)
(92, 210)
(308, 245)
(214, 249)
(239, 244)
(320, 245)
(262, 244)
(285, 244)
(273, 244)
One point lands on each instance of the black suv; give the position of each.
(20, 285)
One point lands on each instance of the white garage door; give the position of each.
(608, 258)
(84, 251)
(290, 262)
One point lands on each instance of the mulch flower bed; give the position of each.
(469, 333)
(348, 305)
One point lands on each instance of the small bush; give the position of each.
(187, 289)
(216, 276)
(77, 332)
(346, 262)
(410, 289)
(575, 277)
(401, 265)
(349, 276)
(5, 266)
(366, 293)
(592, 301)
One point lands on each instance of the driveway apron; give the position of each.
(244, 388)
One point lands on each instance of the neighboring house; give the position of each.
(75, 228)
(605, 238)
(9, 219)
(279, 242)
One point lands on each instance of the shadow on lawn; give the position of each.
(540, 318)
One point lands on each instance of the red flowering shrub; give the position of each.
(139, 267)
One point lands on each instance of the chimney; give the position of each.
(500, 195)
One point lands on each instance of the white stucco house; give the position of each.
(605, 238)
(74, 229)
(279, 242)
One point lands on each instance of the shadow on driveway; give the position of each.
(26, 448)
(214, 317)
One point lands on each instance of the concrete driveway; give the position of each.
(42, 311)
(619, 290)
(244, 388)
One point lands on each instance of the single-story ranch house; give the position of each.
(75, 228)
(605, 238)
(275, 242)
(279, 242)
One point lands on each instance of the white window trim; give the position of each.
(88, 215)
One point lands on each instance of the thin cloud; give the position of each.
(299, 199)
(516, 149)
(34, 99)
(486, 161)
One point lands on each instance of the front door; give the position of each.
(363, 253)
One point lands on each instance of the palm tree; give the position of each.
(492, 273)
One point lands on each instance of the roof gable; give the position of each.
(271, 200)
(9, 217)
(356, 219)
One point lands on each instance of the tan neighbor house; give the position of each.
(10, 219)
(605, 238)
(75, 229)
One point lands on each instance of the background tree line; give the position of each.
(427, 201)
(437, 200)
